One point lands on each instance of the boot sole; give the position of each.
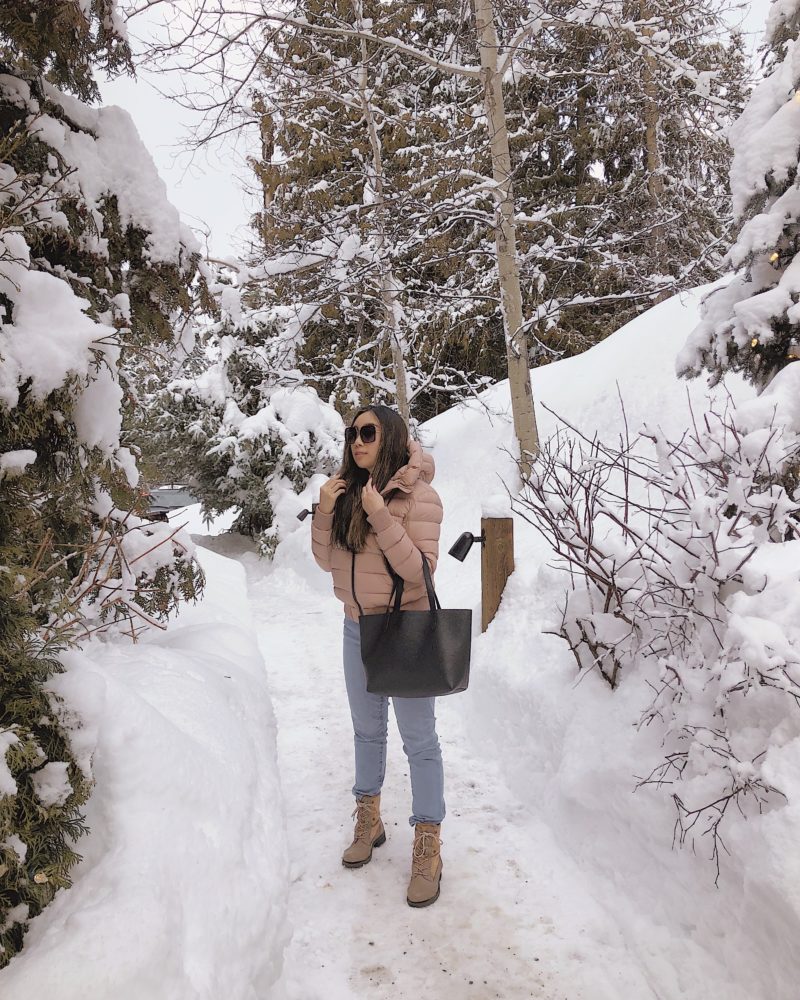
(427, 902)
(360, 864)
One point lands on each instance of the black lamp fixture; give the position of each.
(460, 548)
(304, 513)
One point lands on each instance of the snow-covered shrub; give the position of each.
(682, 556)
(95, 269)
(133, 573)
(242, 429)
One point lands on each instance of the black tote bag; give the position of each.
(415, 654)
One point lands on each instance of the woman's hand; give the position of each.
(329, 493)
(371, 500)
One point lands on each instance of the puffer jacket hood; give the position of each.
(420, 465)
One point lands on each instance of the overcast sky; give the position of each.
(755, 19)
(209, 189)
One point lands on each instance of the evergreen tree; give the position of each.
(336, 238)
(94, 270)
(751, 325)
(619, 159)
(596, 224)
(620, 162)
(240, 427)
(440, 156)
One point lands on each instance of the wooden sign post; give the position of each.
(497, 564)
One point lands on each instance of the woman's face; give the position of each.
(366, 454)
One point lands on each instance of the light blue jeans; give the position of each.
(416, 720)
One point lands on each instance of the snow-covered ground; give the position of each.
(517, 918)
(203, 878)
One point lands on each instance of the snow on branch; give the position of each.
(133, 574)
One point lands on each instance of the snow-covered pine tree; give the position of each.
(326, 43)
(621, 160)
(240, 426)
(228, 66)
(313, 232)
(346, 175)
(438, 156)
(243, 423)
(619, 157)
(752, 324)
(94, 266)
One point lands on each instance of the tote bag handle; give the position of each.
(398, 585)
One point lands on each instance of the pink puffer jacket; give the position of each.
(408, 525)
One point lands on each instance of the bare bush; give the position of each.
(670, 545)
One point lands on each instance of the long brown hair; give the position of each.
(350, 525)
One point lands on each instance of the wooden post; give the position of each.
(497, 564)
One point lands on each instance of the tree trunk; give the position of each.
(582, 144)
(265, 170)
(389, 298)
(506, 241)
(655, 179)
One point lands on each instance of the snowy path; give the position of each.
(515, 918)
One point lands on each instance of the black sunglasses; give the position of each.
(368, 432)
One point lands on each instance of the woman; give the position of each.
(379, 508)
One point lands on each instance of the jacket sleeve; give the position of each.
(321, 525)
(402, 545)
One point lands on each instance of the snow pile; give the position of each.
(183, 889)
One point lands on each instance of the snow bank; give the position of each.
(182, 892)
(571, 749)
(192, 520)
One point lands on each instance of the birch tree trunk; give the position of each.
(506, 240)
(388, 284)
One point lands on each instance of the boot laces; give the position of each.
(424, 851)
(363, 817)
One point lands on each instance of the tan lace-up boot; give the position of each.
(426, 865)
(368, 833)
